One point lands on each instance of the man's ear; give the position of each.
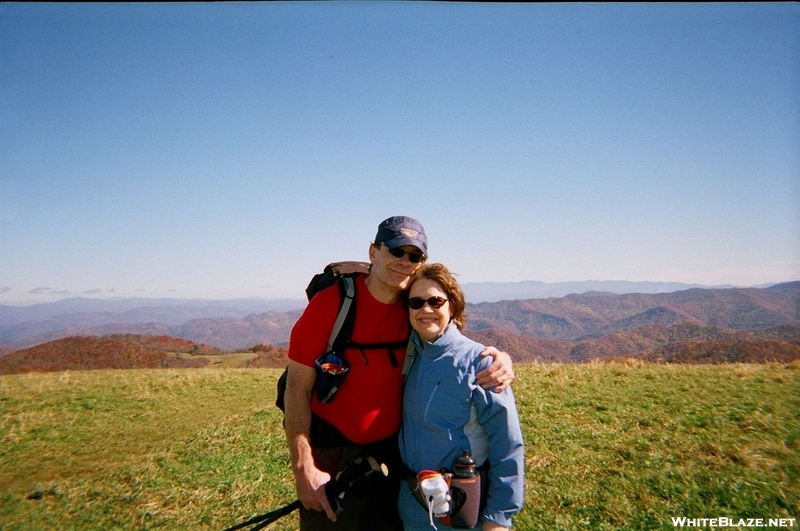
(373, 249)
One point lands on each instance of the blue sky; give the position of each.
(221, 150)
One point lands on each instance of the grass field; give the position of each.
(608, 446)
(220, 361)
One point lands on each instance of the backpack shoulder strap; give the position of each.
(342, 328)
(345, 320)
(409, 359)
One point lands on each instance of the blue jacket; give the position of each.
(445, 412)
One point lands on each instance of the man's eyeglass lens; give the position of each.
(416, 303)
(413, 257)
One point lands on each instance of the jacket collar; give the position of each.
(441, 344)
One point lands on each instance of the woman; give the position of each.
(445, 413)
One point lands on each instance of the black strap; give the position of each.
(340, 338)
(390, 348)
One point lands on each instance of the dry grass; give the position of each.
(219, 361)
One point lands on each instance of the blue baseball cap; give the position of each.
(402, 230)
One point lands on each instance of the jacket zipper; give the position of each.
(430, 399)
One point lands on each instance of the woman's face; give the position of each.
(427, 321)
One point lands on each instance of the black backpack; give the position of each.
(344, 274)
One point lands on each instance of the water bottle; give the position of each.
(464, 467)
(465, 491)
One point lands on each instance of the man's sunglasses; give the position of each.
(413, 257)
(416, 303)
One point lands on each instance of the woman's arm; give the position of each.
(497, 414)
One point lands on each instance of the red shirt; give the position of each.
(367, 408)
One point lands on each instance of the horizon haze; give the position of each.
(232, 150)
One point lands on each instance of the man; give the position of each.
(365, 414)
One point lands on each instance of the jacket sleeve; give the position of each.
(497, 414)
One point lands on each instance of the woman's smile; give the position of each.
(429, 322)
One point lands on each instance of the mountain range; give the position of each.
(533, 289)
(697, 322)
(713, 325)
(22, 326)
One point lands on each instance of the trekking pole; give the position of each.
(354, 477)
(267, 518)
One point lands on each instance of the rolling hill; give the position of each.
(129, 351)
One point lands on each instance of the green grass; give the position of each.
(608, 446)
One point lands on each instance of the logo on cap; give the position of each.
(409, 233)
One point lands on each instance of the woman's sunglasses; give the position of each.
(413, 257)
(416, 303)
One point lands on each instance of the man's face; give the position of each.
(392, 271)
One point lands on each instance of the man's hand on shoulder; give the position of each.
(499, 374)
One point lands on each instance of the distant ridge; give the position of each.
(76, 316)
(143, 309)
(26, 325)
(534, 289)
(744, 325)
(574, 317)
(578, 316)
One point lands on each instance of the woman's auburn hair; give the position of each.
(447, 282)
